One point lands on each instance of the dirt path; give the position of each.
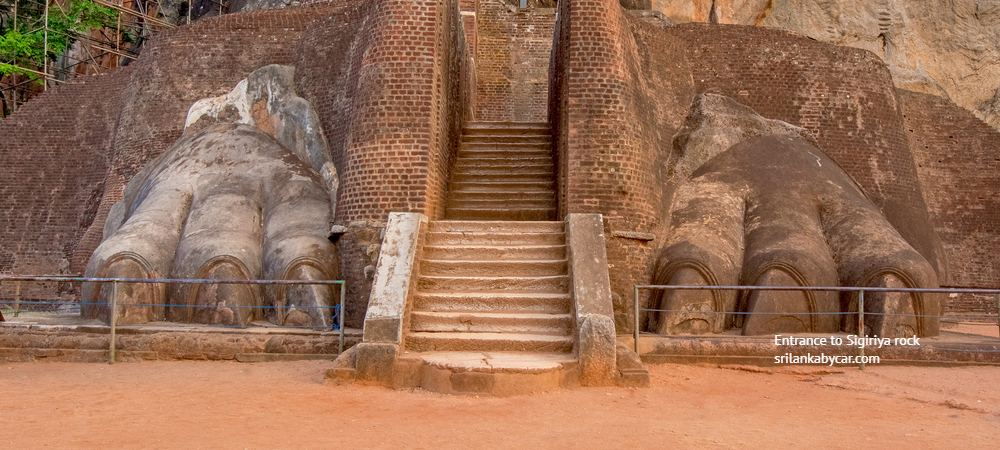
(289, 405)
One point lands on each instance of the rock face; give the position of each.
(950, 49)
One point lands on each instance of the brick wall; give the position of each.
(390, 80)
(512, 62)
(959, 168)
(55, 153)
(623, 88)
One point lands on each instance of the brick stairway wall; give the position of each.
(512, 62)
(390, 79)
(621, 89)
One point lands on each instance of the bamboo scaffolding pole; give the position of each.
(134, 13)
(45, 49)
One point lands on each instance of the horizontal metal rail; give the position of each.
(339, 309)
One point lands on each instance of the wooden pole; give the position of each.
(45, 50)
(118, 34)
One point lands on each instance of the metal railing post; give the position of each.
(340, 314)
(861, 327)
(114, 315)
(635, 326)
(17, 298)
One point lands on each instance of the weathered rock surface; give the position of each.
(949, 48)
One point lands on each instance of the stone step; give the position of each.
(526, 214)
(488, 322)
(493, 238)
(501, 202)
(515, 195)
(488, 342)
(550, 284)
(514, 160)
(500, 268)
(506, 139)
(493, 226)
(504, 186)
(507, 128)
(535, 175)
(542, 169)
(492, 252)
(499, 150)
(487, 373)
(473, 301)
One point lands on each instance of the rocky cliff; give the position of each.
(947, 48)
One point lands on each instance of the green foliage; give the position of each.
(25, 46)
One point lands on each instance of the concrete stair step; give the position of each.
(549, 284)
(492, 226)
(500, 268)
(494, 238)
(527, 214)
(488, 373)
(487, 322)
(503, 186)
(488, 342)
(477, 301)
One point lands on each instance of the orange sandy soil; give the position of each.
(289, 405)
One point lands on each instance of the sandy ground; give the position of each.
(209, 405)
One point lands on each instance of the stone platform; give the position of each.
(67, 338)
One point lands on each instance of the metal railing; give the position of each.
(860, 312)
(338, 310)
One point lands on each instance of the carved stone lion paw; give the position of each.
(246, 193)
(760, 205)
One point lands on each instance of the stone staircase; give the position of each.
(483, 302)
(504, 171)
(492, 311)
